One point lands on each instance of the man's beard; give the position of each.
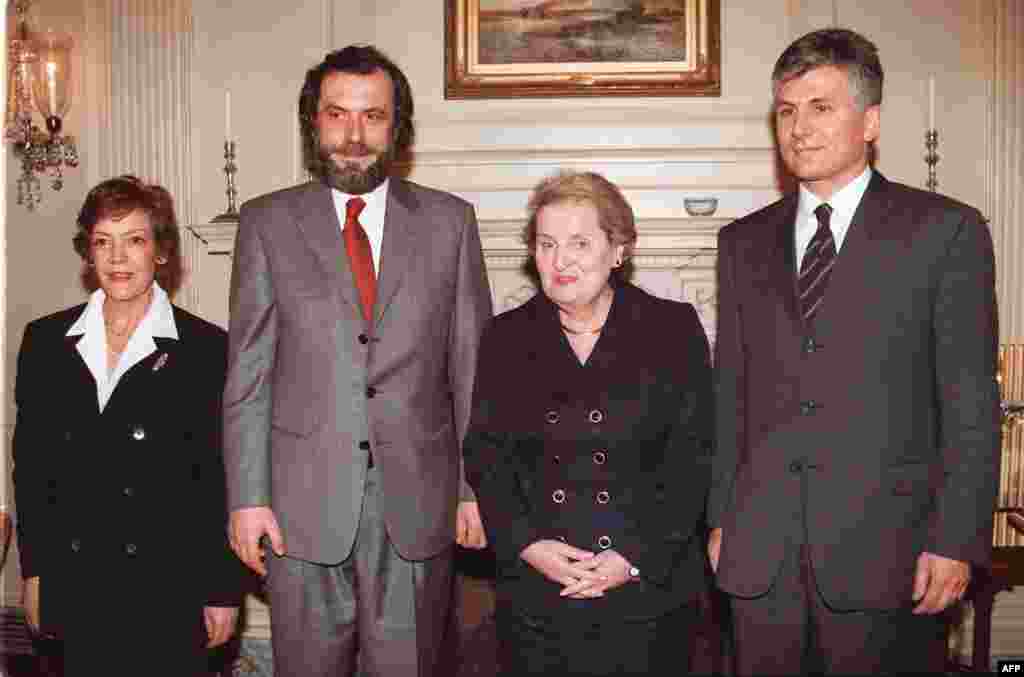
(350, 177)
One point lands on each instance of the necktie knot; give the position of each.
(823, 212)
(353, 208)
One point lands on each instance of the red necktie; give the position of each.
(357, 244)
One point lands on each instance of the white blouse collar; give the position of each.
(158, 322)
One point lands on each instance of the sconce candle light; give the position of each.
(39, 78)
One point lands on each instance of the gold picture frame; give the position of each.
(562, 48)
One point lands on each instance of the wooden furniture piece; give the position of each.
(1008, 537)
(1006, 573)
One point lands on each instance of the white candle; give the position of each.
(51, 86)
(931, 103)
(296, 146)
(227, 115)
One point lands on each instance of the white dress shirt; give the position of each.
(371, 218)
(844, 203)
(157, 322)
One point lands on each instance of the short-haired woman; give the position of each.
(119, 482)
(588, 449)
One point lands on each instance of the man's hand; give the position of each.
(220, 624)
(30, 600)
(245, 529)
(6, 528)
(714, 547)
(939, 582)
(469, 528)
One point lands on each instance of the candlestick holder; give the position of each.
(230, 169)
(931, 157)
(1012, 413)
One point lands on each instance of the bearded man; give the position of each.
(357, 302)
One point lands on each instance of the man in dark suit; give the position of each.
(357, 303)
(858, 426)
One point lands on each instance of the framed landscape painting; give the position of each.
(536, 48)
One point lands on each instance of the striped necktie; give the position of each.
(817, 264)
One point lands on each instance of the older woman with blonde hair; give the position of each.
(589, 448)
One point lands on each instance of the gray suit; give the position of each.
(311, 391)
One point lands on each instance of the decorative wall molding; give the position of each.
(4, 379)
(1006, 128)
(139, 64)
(646, 125)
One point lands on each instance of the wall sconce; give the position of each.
(39, 78)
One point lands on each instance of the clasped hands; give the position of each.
(582, 574)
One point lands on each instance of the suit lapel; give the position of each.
(396, 251)
(155, 365)
(784, 257)
(317, 220)
(83, 384)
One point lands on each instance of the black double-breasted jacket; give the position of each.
(123, 510)
(612, 453)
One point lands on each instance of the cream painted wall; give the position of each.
(917, 39)
(261, 56)
(260, 52)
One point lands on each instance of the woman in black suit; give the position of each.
(118, 476)
(589, 451)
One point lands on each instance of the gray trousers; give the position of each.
(390, 613)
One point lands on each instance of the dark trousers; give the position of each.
(531, 646)
(791, 630)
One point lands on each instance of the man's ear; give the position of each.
(872, 123)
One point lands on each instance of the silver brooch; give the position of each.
(160, 362)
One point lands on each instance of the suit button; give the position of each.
(796, 466)
(558, 496)
(551, 417)
(76, 545)
(67, 436)
(371, 392)
(364, 445)
(364, 339)
(595, 416)
(138, 433)
(128, 491)
(603, 497)
(604, 542)
(807, 407)
(600, 457)
(557, 459)
(130, 549)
